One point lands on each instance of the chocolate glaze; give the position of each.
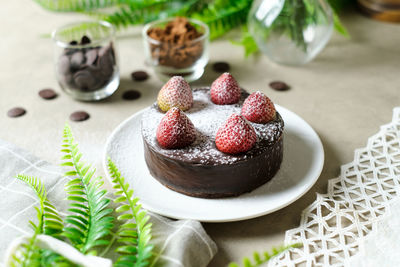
(221, 175)
(215, 181)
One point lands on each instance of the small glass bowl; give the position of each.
(170, 59)
(85, 60)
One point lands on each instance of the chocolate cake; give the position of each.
(200, 169)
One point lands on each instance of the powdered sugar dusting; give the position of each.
(207, 117)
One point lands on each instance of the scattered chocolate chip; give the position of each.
(16, 112)
(139, 75)
(73, 42)
(221, 67)
(279, 86)
(79, 116)
(47, 94)
(85, 40)
(131, 95)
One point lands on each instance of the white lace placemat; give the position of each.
(332, 227)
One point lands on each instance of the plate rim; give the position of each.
(317, 171)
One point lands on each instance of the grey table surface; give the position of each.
(346, 93)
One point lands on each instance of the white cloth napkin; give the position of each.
(177, 243)
(382, 245)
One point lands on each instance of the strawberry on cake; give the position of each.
(212, 142)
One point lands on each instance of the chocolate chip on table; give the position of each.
(85, 40)
(131, 95)
(16, 112)
(79, 116)
(47, 94)
(221, 67)
(139, 75)
(279, 86)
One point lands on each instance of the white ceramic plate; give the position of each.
(303, 159)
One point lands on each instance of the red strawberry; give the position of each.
(175, 130)
(175, 93)
(225, 90)
(258, 108)
(235, 136)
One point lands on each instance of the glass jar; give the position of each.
(291, 32)
(85, 60)
(177, 56)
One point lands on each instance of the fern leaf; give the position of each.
(75, 5)
(139, 12)
(27, 254)
(89, 218)
(49, 221)
(136, 249)
(258, 259)
(223, 15)
(247, 41)
(49, 258)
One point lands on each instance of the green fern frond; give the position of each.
(27, 254)
(89, 220)
(75, 5)
(259, 259)
(339, 27)
(135, 233)
(223, 15)
(247, 41)
(139, 12)
(49, 221)
(50, 258)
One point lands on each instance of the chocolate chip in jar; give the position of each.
(63, 64)
(87, 69)
(106, 64)
(91, 56)
(86, 66)
(85, 40)
(76, 60)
